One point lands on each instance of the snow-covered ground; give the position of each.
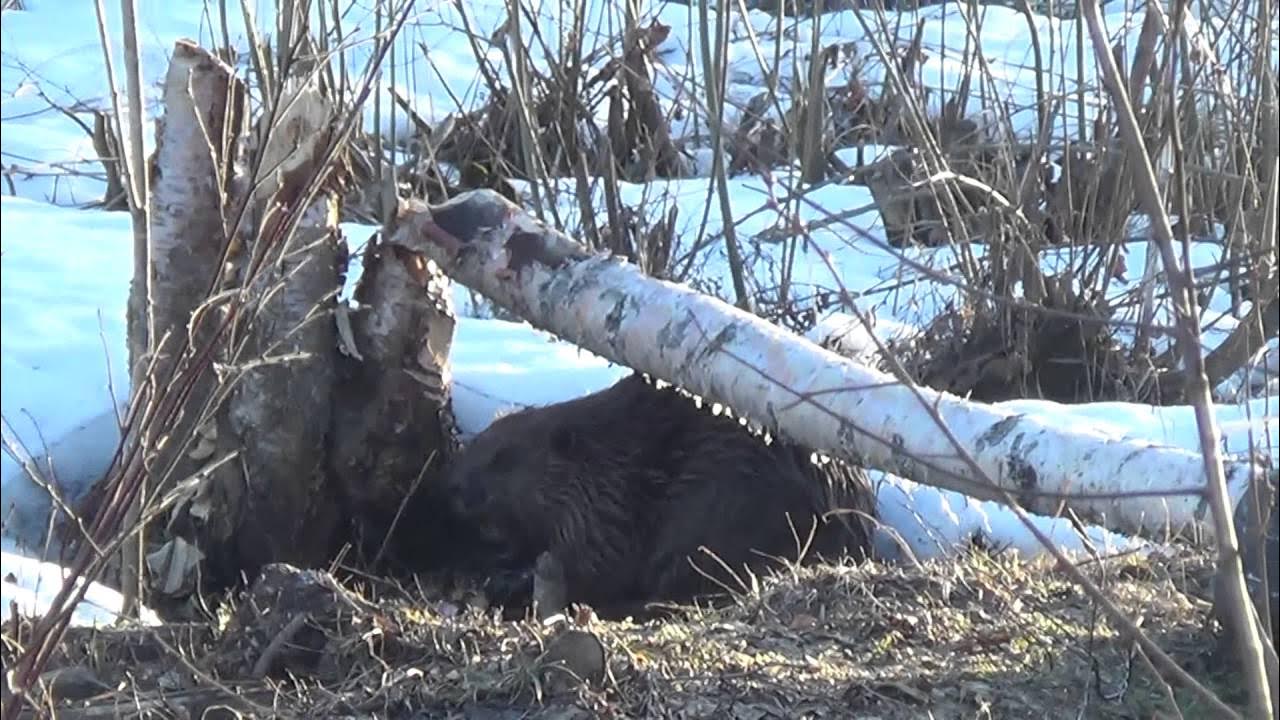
(31, 585)
(65, 271)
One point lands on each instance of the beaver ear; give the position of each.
(564, 440)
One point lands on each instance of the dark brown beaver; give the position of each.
(620, 489)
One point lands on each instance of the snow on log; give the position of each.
(809, 394)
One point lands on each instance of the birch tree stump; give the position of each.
(808, 394)
(298, 423)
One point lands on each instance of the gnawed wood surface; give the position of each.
(301, 421)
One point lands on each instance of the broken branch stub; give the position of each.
(794, 387)
(392, 423)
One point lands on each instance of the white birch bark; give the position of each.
(203, 103)
(187, 232)
(809, 394)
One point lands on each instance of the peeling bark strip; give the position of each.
(809, 394)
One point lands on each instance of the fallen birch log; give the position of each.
(805, 392)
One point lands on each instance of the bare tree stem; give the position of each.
(131, 567)
(1185, 304)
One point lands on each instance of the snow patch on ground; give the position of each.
(32, 585)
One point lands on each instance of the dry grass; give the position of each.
(975, 636)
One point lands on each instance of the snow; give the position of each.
(64, 281)
(501, 366)
(31, 585)
(66, 270)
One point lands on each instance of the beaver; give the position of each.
(636, 495)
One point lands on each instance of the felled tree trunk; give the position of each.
(807, 393)
(294, 417)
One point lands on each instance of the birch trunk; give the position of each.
(805, 392)
(287, 425)
(203, 105)
(281, 350)
(202, 100)
(392, 424)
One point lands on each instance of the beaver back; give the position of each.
(628, 485)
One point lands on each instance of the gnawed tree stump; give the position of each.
(278, 421)
(809, 394)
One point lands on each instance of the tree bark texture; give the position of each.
(305, 416)
(805, 392)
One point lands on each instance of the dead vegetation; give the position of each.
(976, 636)
(1067, 354)
(962, 178)
(965, 638)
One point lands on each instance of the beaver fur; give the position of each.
(622, 488)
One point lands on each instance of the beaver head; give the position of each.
(503, 480)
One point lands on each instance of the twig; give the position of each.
(413, 490)
(263, 665)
